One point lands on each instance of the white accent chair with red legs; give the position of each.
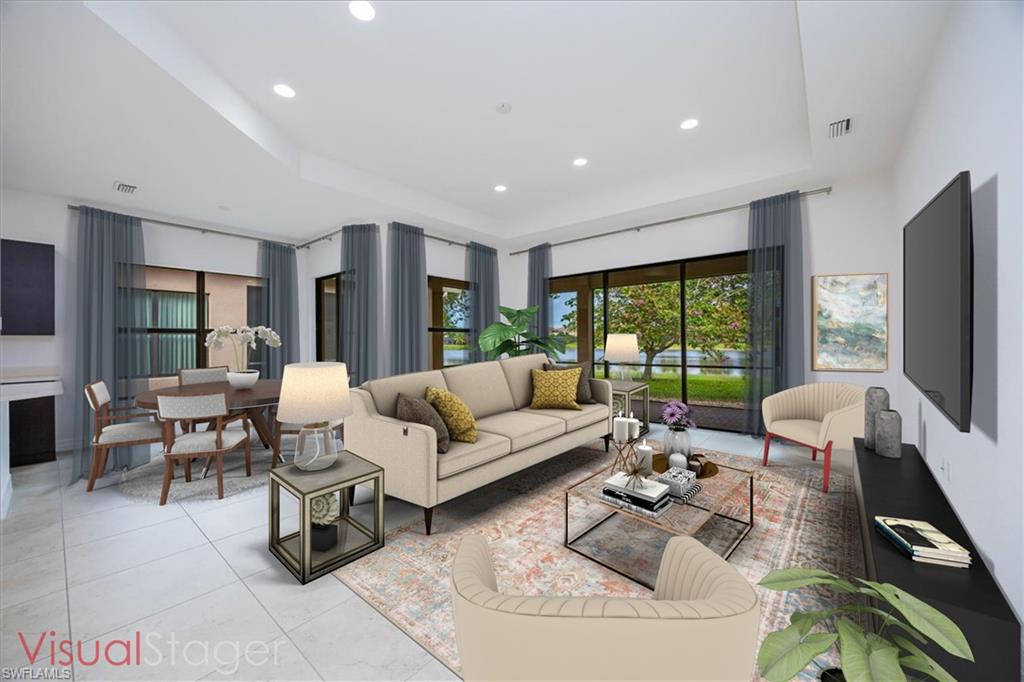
(816, 416)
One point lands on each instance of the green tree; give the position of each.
(716, 314)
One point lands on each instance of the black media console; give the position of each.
(906, 488)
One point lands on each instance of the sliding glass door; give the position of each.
(690, 320)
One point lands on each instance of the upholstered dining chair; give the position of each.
(212, 444)
(108, 434)
(816, 416)
(701, 624)
(202, 375)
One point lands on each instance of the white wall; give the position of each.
(850, 230)
(43, 218)
(969, 117)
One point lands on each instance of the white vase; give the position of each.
(676, 440)
(244, 379)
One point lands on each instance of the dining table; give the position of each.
(264, 394)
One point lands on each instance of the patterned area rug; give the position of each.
(523, 519)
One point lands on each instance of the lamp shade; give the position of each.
(313, 392)
(621, 348)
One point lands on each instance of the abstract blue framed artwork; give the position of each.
(850, 332)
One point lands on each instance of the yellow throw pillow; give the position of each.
(455, 413)
(555, 389)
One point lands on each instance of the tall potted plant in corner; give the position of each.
(242, 340)
(884, 656)
(513, 337)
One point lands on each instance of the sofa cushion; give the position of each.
(574, 419)
(517, 372)
(482, 385)
(583, 393)
(455, 413)
(801, 430)
(521, 428)
(464, 456)
(419, 411)
(555, 389)
(385, 391)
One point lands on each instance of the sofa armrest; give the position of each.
(406, 451)
(601, 391)
(842, 426)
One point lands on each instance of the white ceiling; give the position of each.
(395, 118)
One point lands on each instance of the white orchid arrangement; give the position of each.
(242, 339)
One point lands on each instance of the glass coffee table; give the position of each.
(631, 544)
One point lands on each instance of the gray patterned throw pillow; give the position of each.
(419, 411)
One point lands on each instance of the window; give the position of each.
(177, 325)
(702, 301)
(328, 318)
(448, 330)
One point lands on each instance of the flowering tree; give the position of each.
(716, 314)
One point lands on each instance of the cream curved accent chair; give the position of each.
(816, 416)
(701, 624)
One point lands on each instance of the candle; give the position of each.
(620, 429)
(634, 427)
(645, 458)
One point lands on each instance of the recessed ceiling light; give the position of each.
(689, 124)
(500, 188)
(579, 162)
(362, 10)
(285, 91)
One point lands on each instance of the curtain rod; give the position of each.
(330, 235)
(637, 228)
(204, 230)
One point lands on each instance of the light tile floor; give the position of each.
(197, 581)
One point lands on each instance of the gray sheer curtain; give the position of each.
(537, 288)
(482, 269)
(776, 301)
(280, 306)
(361, 301)
(111, 343)
(407, 286)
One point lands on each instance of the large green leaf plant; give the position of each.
(864, 656)
(514, 338)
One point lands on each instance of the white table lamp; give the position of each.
(314, 394)
(619, 348)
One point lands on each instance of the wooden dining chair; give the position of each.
(207, 445)
(108, 434)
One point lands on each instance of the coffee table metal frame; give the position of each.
(613, 510)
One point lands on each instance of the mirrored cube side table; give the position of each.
(332, 529)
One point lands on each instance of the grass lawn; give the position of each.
(717, 388)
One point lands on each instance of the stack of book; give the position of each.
(650, 498)
(921, 541)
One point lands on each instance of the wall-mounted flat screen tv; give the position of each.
(26, 288)
(938, 300)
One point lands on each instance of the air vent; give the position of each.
(837, 129)
(124, 188)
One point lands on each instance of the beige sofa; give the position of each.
(818, 416)
(512, 436)
(701, 624)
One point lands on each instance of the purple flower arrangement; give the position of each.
(677, 414)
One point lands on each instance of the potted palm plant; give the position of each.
(514, 338)
(906, 623)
